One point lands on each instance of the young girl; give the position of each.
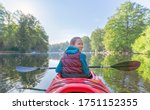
(73, 63)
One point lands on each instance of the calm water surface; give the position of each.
(117, 81)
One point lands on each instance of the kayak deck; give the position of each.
(77, 85)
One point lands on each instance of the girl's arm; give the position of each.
(84, 64)
(59, 67)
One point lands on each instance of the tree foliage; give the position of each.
(96, 40)
(86, 44)
(30, 31)
(125, 26)
(20, 32)
(60, 47)
(2, 19)
(142, 44)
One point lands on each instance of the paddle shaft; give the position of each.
(33, 89)
(109, 66)
(88, 66)
(99, 66)
(125, 66)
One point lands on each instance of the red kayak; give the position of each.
(77, 85)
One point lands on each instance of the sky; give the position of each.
(64, 19)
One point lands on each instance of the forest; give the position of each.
(21, 33)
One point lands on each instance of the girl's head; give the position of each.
(77, 42)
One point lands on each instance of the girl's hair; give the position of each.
(73, 40)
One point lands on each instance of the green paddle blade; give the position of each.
(127, 66)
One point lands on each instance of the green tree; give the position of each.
(9, 32)
(142, 44)
(21, 32)
(86, 43)
(96, 40)
(30, 34)
(41, 39)
(125, 26)
(2, 25)
(60, 47)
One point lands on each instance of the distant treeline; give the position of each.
(21, 33)
(61, 47)
(128, 30)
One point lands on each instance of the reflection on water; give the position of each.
(123, 81)
(117, 81)
(10, 79)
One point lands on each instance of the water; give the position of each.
(117, 81)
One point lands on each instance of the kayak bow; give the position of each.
(77, 85)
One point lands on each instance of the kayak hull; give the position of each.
(77, 85)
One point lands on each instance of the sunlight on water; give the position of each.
(48, 76)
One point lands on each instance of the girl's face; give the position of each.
(79, 44)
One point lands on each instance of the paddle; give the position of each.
(33, 89)
(125, 66)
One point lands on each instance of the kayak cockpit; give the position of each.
(77, 85)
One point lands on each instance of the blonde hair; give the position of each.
(73, 40)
